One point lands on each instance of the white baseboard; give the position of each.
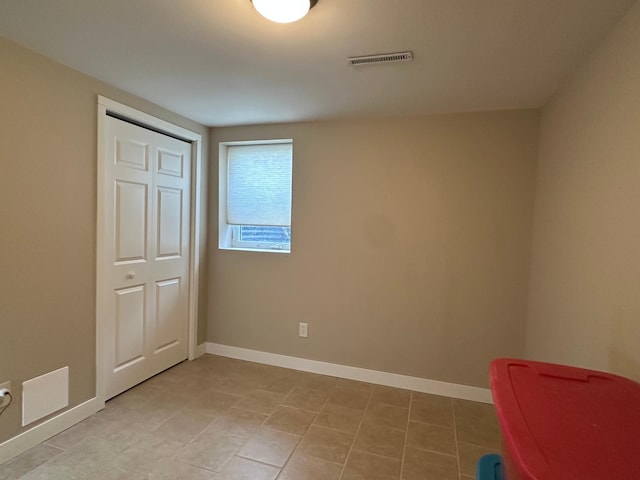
(200, 350)
(435, 387)
(32, 437)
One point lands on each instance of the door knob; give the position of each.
(131, 275)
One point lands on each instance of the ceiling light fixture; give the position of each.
(283, 11)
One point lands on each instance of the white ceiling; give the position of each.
(220, 63)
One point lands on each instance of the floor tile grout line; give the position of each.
(298, 446)
(353, 442)
(263, 425)
(455, 437)
(406, 436)
(245, 440)
(261, 462)
(329, 428)
(376, 455)
(275, 409)
(435, 452)
(197, 436)
(432, 424)
(479, 445)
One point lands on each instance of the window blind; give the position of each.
(259, 184)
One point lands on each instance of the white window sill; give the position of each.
(261, 250)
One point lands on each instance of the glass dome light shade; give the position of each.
(282, 11)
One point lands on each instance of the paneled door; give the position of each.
(147, 247)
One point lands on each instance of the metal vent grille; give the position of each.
(381, 58)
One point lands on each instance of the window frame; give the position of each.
(228, 234)
(236, 241)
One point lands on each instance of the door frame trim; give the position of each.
(107, 105)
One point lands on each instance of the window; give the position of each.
(255, 195)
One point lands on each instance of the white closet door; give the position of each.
(147, 245)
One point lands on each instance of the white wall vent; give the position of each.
(44, 395)
(381, 58)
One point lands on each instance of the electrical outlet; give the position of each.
(4, 401)
(303, 330)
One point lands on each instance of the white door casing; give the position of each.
(145, 308)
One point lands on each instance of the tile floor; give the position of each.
(221, 419)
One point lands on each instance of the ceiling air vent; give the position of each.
(382, 58)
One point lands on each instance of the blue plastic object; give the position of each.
(489, 467)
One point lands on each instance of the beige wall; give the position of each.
(48, 221)
(584, 304)
(411, 242)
